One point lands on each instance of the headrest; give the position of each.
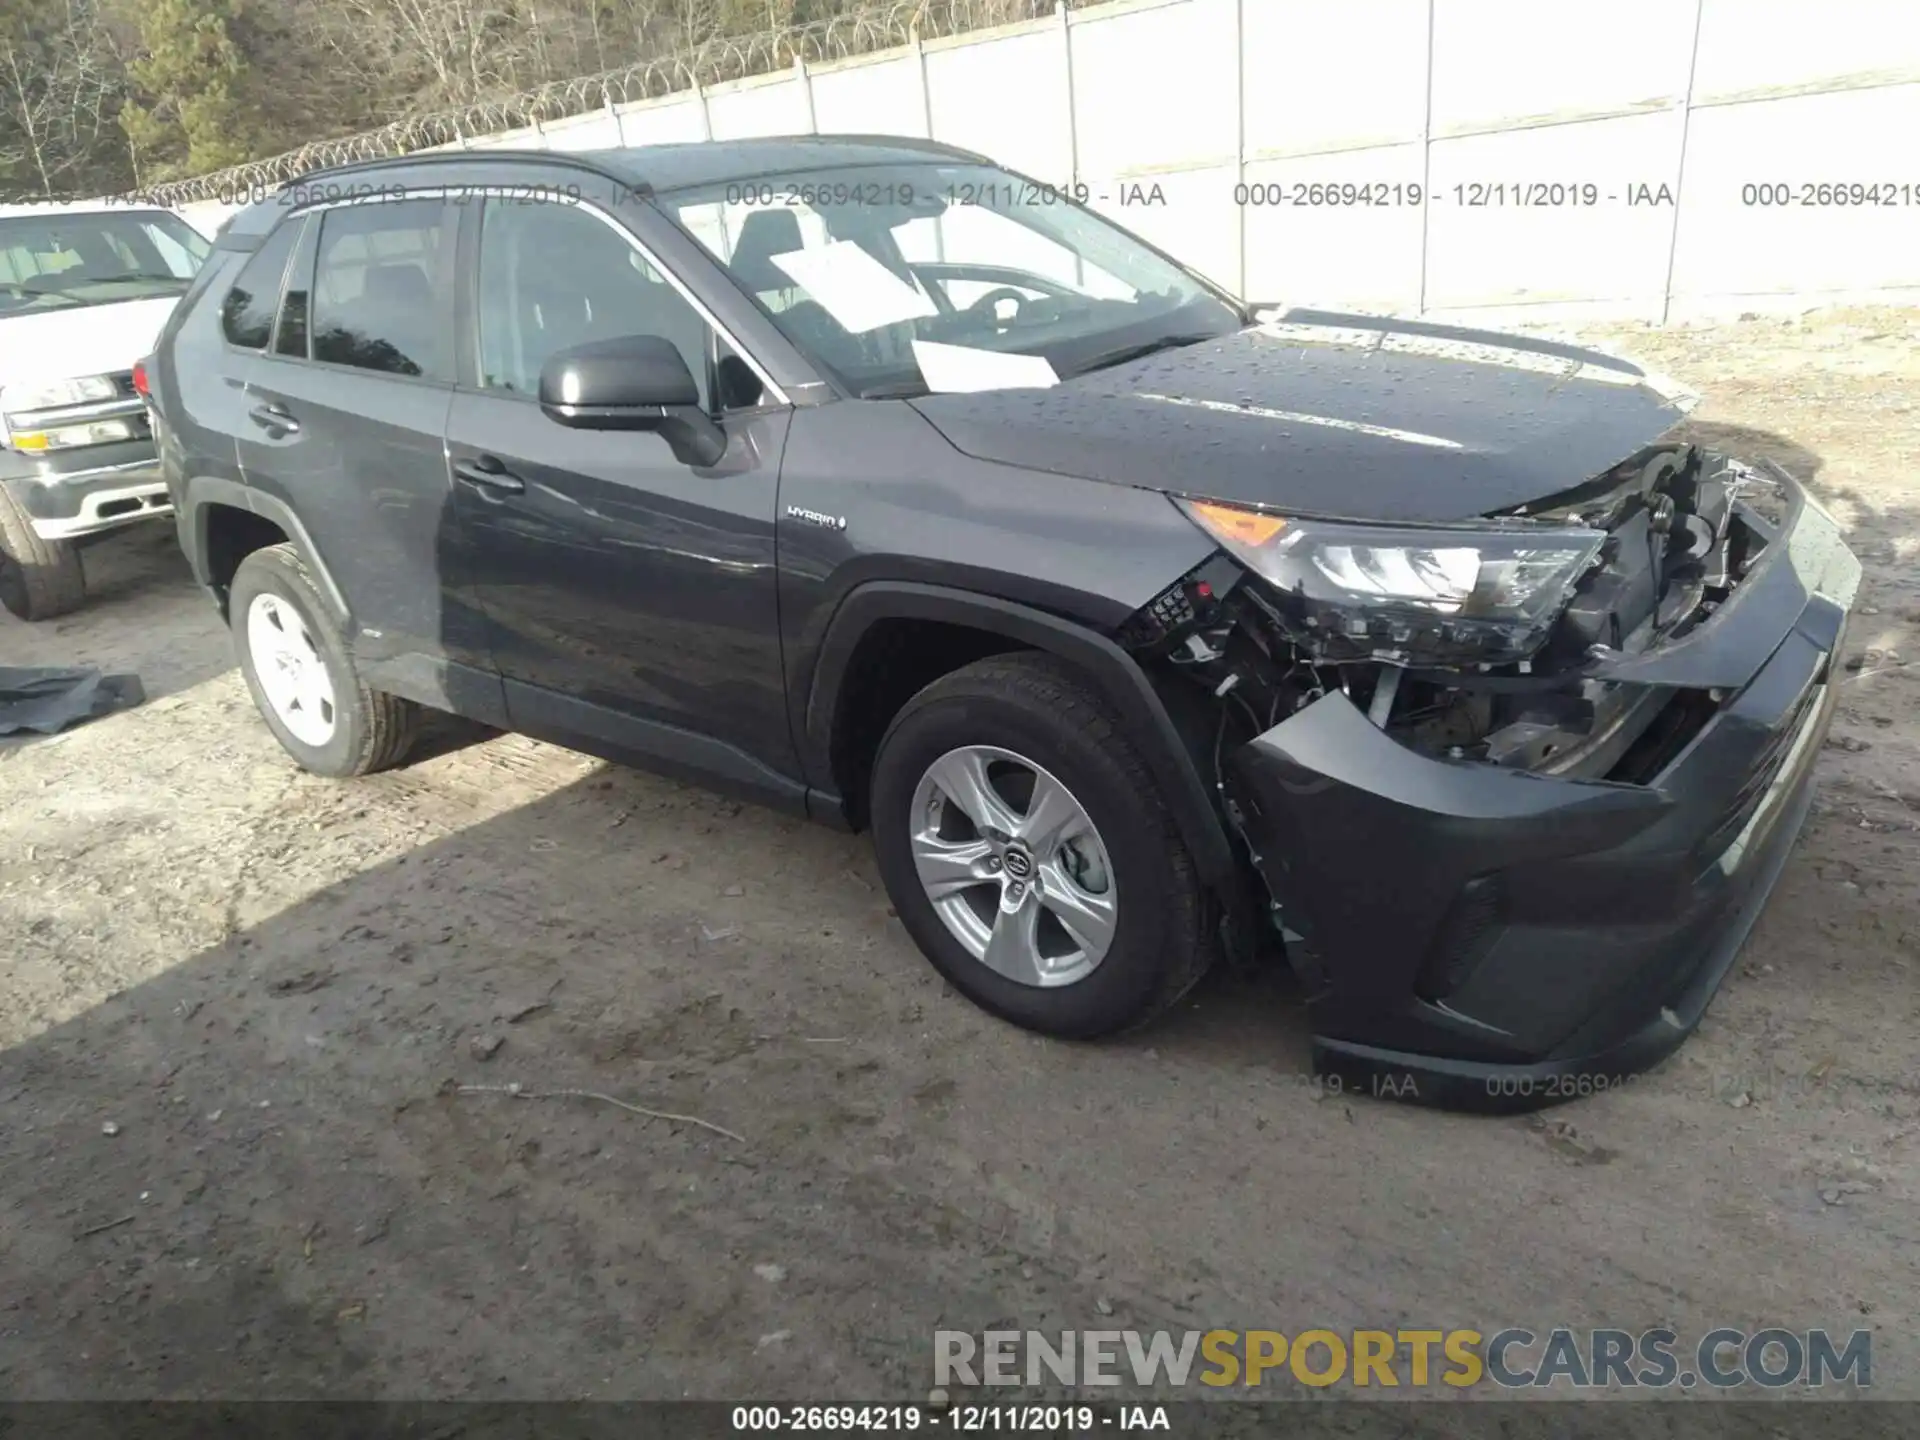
(399, 284)
(765, 234)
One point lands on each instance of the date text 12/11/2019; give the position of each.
(1470, 194)
(965, 1417)
(994, 194)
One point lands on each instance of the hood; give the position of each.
(1334, 415)
(91, 340)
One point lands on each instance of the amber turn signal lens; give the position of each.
(1248, 527)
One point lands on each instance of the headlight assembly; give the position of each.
(18, 399)
(1427, 595)
(72, 437)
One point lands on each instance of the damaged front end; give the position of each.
(1518, 790)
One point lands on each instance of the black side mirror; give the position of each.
(635, 382)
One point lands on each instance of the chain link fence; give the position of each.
(714, 62)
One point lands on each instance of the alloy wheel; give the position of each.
(1014, 866)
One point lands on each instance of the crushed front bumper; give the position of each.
(70, 493)
(1493, 939)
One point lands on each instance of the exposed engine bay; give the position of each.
(1671, 532)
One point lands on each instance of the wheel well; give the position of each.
(232, 534)
(893, 661)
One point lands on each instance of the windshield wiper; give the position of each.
(1139, 351)
(141, 275)
(75, 289)
(894, 390)
(44, 292)
(906, 389)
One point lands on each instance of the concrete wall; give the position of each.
(1529, 158)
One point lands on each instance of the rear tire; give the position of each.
(301, 677)
(1027, 721)
(39, 579)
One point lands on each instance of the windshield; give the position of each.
(901, 279)
(58, 261)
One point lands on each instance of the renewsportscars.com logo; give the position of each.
(1513, 1358)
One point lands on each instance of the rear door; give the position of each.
(345, 421)
(203, 356)
(632, 598)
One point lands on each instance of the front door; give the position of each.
(631, 597)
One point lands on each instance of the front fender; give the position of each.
(1120, 679)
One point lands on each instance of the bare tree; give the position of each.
(58, 89)
(95, 94)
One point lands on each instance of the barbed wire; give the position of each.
(716, 61)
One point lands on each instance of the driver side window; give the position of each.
(553, 276)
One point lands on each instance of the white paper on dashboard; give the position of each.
(856, 289)
(948, 368)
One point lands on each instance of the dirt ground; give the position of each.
(234, 996)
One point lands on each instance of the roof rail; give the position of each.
(571, 159)
(580, 160)
(897, 142)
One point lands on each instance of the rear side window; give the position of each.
(376, 302)
(246, 315)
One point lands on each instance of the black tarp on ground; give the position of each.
(49, 699)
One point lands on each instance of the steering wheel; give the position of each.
(989, 303)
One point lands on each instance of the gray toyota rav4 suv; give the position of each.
(1139, 625)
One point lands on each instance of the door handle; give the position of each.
(489, 474)
(273, 417)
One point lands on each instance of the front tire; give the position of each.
(1025, 845)
(39, 579)
(301, 677)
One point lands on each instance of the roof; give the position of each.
(700, 162)
(640, 167)
(709, 162)
(72, 207)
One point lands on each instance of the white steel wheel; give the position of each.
(291, 669)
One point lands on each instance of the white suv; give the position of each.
(84, 290)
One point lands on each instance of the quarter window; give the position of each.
(553, 276)
(246, 315)
(377, 288)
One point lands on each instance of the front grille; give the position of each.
(1669, 733)
(1766, 769)
(123, 382)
